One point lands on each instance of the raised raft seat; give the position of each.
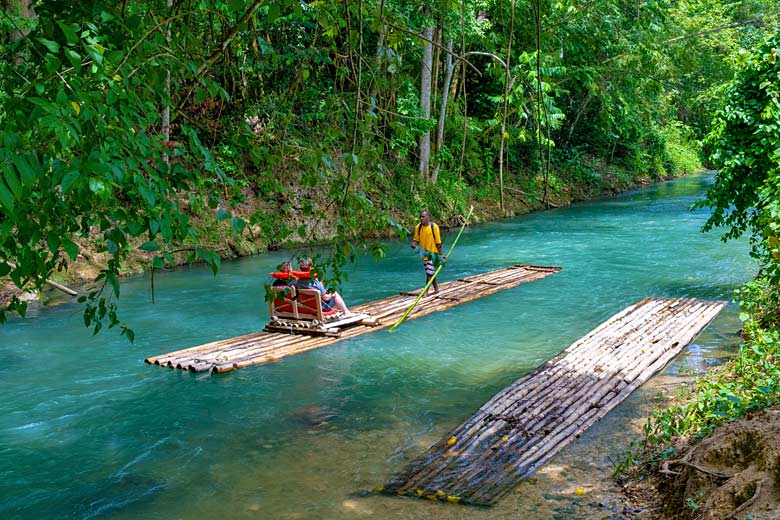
(299, 310)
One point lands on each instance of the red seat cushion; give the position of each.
(307, 303)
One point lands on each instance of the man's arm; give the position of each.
(437, 237)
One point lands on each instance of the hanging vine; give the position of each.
(544, 162)
(507, 86)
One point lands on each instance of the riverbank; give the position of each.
(219, 237)
(712, 452)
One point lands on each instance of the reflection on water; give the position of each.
(87, 430)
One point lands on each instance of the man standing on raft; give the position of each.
(427, 235)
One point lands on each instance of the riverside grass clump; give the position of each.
(747, 383)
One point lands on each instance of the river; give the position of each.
(87, 430)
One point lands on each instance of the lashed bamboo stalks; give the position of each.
(395, 309)
(560, 396)
(549, 415)
(589, 412)
(514, 397)
(262, 347)
(526, 424)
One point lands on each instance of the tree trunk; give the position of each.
(436, 62)
(23, 9)
(450, 68)
(166, 115)
(373, 93)
(506, 107)
(425, 101)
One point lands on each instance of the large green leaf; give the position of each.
(6, 197)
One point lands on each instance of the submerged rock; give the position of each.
(313, 416)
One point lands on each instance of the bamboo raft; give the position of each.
(526, 424)
(263, 347)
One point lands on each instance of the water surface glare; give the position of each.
(87, 430)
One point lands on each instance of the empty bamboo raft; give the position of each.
(526, 424)
(262, 347)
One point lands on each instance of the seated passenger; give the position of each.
(283, 281)
(329, 299)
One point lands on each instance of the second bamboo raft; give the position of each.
(527, 423)
(263, 347)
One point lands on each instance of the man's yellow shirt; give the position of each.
(428, 237)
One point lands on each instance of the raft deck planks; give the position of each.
(262, 347)
(527, 423)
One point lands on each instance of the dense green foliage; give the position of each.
(301, 119)
(745, 144)
(82, 154)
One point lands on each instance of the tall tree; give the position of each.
(426, 91)
(449, 69)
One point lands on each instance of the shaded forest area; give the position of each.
(178, 130)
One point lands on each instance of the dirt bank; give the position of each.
(732, 473)
(217, 236)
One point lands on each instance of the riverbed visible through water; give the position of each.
(87, 430)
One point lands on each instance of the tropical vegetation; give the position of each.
(745, 144)
(170, 128)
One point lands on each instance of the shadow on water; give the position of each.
(703, 290)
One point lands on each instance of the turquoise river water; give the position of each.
(87, 430)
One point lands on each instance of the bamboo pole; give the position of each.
(432, 278)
